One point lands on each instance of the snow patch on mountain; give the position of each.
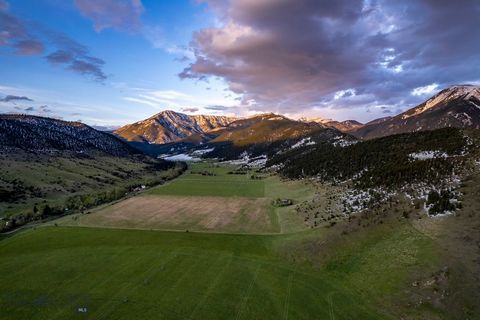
(180, 157)
(303, 142)
(425, 155)
(340, 141)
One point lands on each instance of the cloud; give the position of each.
(420, 91)
(217, 108)
(25, 38)
(293, 55)
(190, 110)
(75, 57)
(10, 98)
(123, 15)
(29, 47)
(28, 109)
(44, 109)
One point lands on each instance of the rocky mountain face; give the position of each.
(344, 126)
(457, 106)
(46, 135)
(268, 134)
(169, 126)
(264, 128)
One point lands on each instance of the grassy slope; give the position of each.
(62, 177)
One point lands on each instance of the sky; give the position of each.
(113, 62)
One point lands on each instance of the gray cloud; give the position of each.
(44, 109)
(293, 55)
(29, 47)
(10, 98)
(28, 109)
(216, 108)
(27, 38)
(192, 109)
(122, 15)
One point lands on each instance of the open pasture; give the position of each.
(219, 202)
(81, 273)
(218, 184)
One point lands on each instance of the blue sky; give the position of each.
(112, 62)
(138, 64)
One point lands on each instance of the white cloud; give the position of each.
(420, 91)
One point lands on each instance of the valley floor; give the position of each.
(250, 260)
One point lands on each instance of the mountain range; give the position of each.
(457, 106)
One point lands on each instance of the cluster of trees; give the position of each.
(379, 162)
(440, 202)
(16, 190)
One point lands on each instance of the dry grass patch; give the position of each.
(185, 213)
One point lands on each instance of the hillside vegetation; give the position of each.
(383, 162)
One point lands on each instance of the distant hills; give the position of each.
(46, 135)
(457, 106)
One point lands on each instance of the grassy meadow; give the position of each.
(219, 184)
(217, 202)
(55, 272)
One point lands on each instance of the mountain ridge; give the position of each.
(456, 106)
(170, 126)
(46, 135)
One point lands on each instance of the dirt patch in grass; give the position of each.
(184, 213)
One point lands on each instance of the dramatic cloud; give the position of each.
(123, 15)
(24, 38)
(295, 55)
(10, 98)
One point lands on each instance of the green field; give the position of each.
(221, 184)
(94, 266)
(51, 272)
(220, 202)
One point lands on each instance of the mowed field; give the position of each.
(58, 272)
(220, 202)
(220, 184)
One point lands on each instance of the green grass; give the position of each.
(212, 195)
(220, 185)
(50, 272)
